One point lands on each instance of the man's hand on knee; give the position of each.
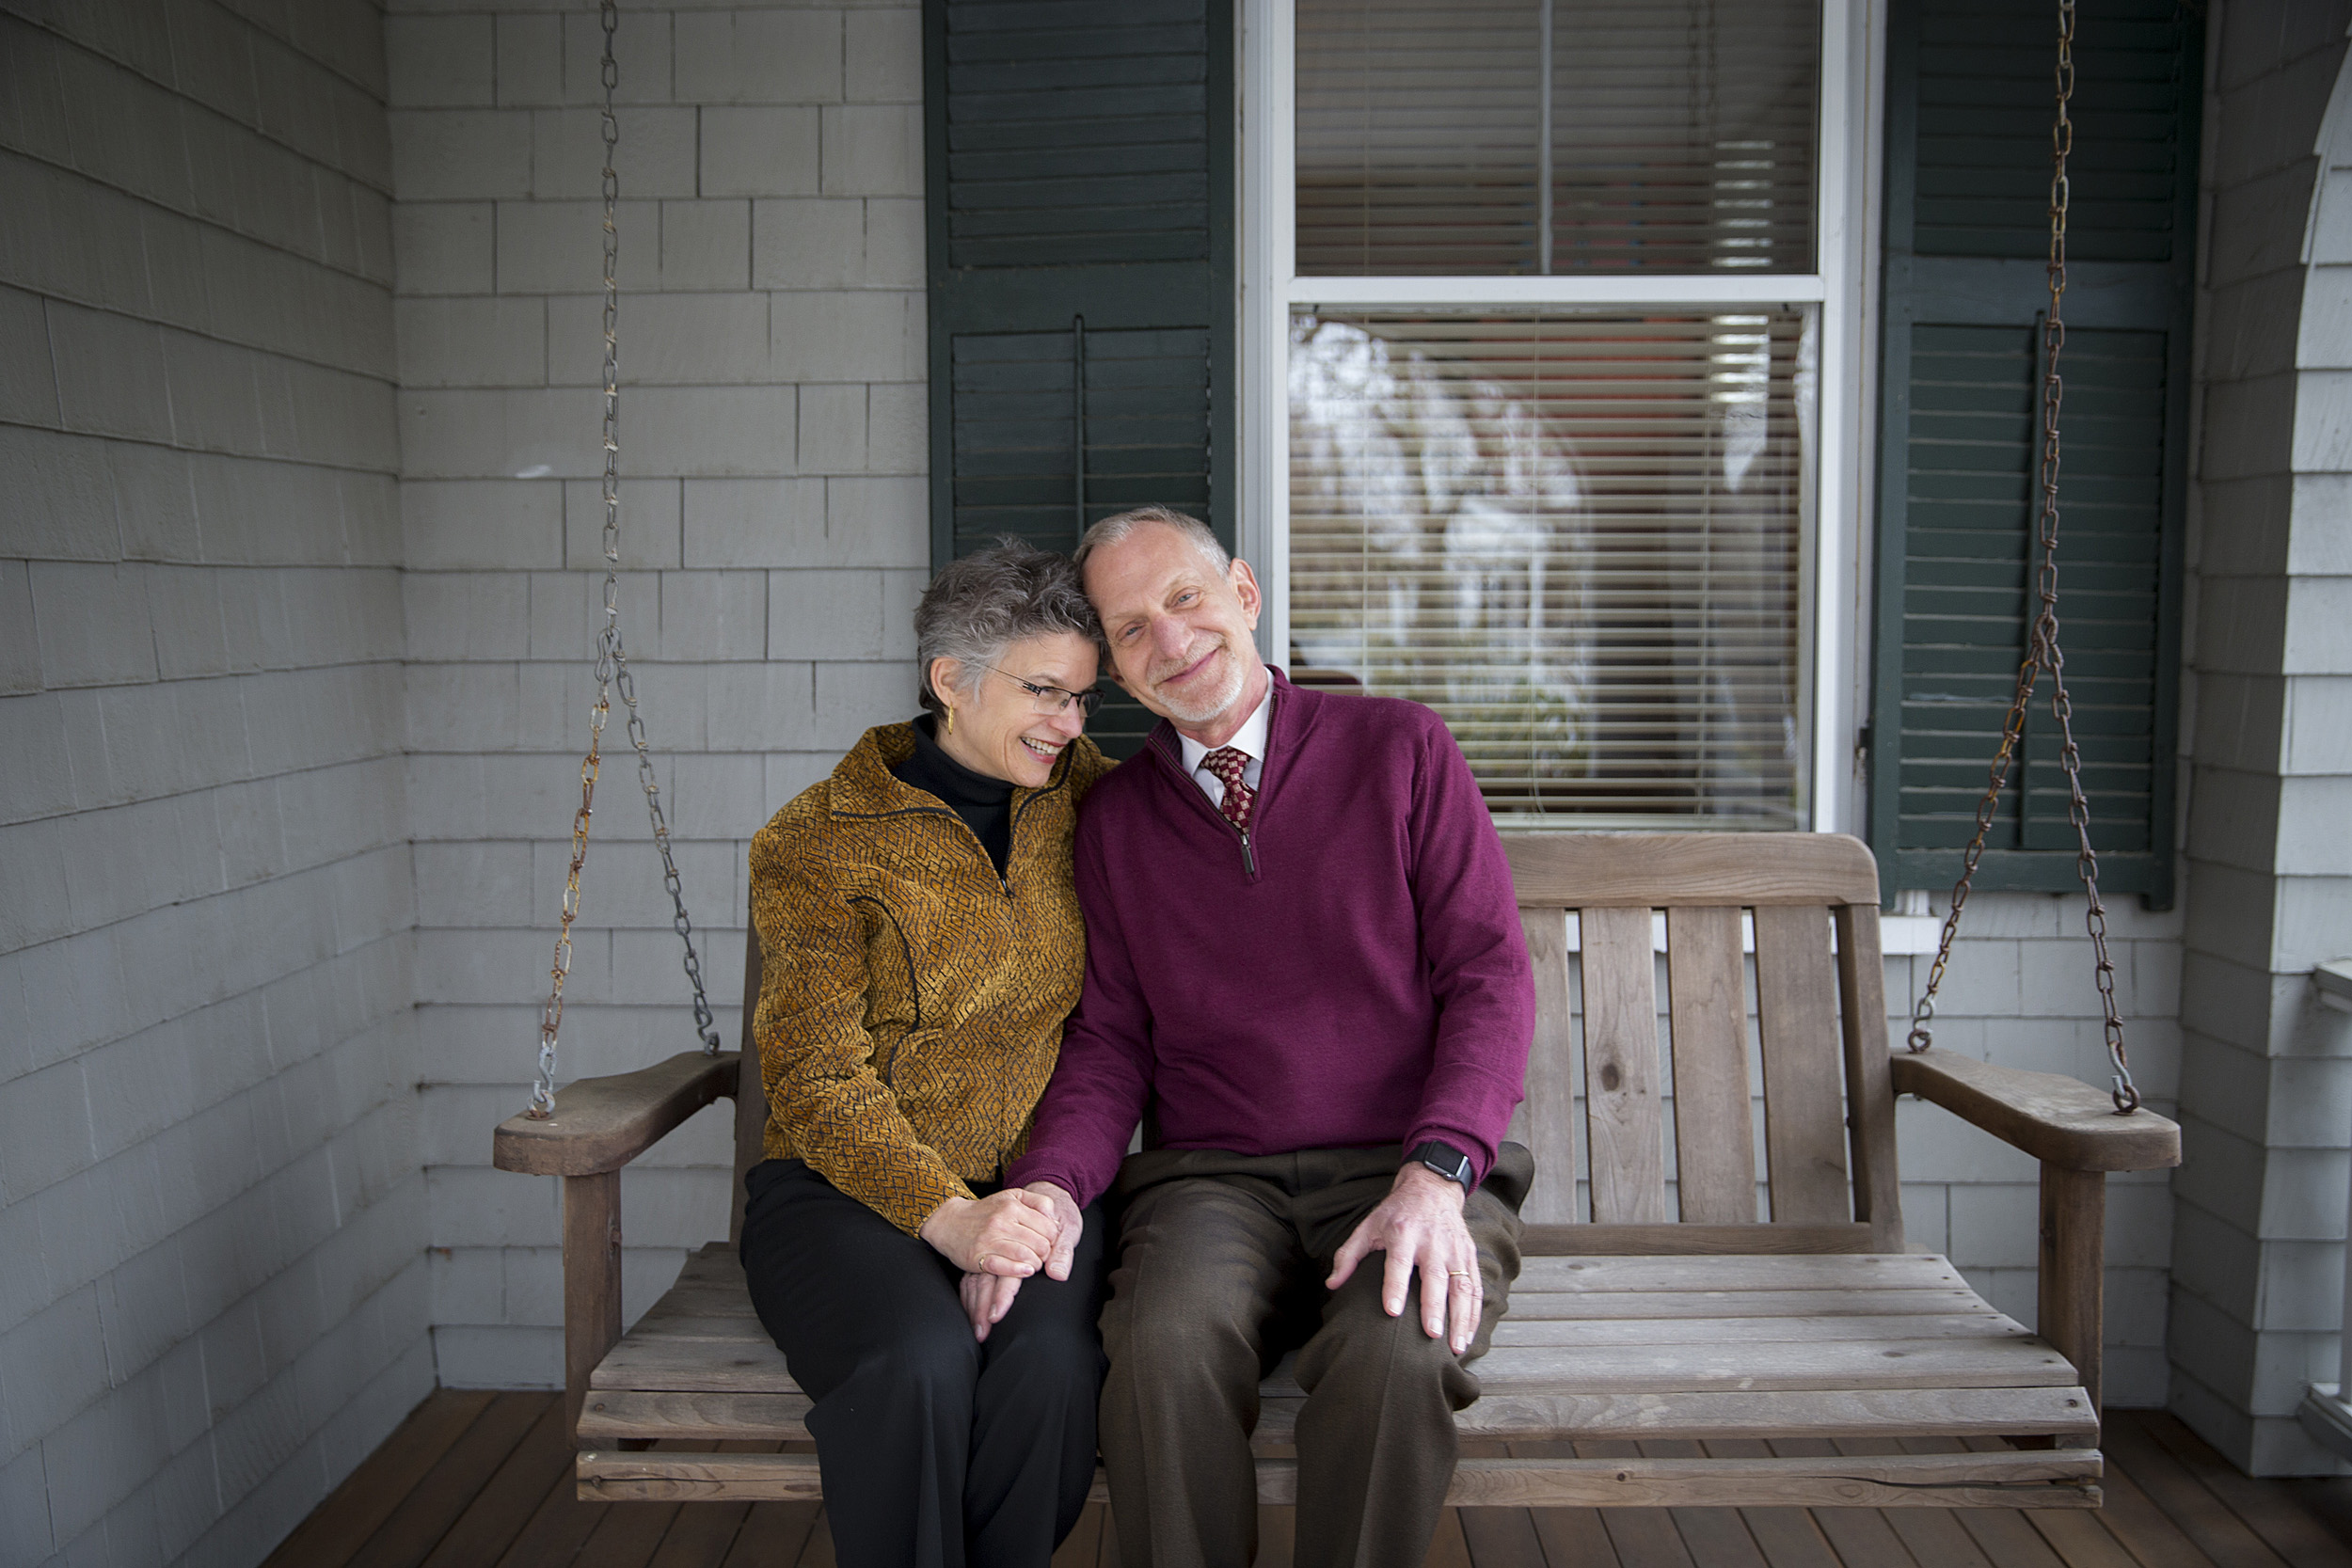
(1072, 1223)
(1420, 1226)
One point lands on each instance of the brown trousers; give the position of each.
(1221, 1268)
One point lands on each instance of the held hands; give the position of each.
(1419, 1225)
(1009, 1233)
(986, 1294)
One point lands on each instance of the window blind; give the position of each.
(1417, 137)
(1663, 136)
(1576, 536)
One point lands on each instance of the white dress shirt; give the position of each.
(1249, 739)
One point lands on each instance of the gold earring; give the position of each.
(951, 720)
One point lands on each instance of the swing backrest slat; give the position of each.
(1621, 1092)
(1715, 1137)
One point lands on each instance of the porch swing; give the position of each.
(1648, 1359)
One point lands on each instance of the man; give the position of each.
(1305, 961)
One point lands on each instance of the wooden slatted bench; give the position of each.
(1626, 1323)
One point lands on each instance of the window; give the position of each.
(1536, 427)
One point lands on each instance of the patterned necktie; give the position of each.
(1226, 764)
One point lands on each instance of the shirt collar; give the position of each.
(1250, 738)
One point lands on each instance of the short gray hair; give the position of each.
(980, 605)
(1112, 530)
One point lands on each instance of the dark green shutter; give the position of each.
(1969, 112)
(1080, 190)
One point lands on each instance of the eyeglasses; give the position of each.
(1053, 701)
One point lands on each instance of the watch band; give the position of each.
(1446, 1160)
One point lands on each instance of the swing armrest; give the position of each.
(2060, 1122)
(602, 1124)
(2073, 1130)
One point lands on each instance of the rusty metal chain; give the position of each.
(2043, 654)
(613, 671)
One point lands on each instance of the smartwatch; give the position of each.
(1446, 1160)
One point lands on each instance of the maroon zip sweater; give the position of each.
(1352, 973)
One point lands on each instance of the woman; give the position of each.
(921, 946)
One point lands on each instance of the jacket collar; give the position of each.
(863, 785)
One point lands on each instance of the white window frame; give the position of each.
(1834, 565)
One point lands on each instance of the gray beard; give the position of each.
(1216, 704)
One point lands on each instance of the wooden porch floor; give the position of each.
(474, 1479)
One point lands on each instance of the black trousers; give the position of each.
(936, 1450)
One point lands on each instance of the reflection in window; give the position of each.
(1575, 536)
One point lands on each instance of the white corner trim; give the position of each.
(2332, 125)
(1264, 144)
(2326, 1418)
(2333, 980)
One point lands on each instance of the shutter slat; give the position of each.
(1984, 111)
(1968, 566)
(1076, 134)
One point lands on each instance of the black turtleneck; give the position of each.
(984, 803)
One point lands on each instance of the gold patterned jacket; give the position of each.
(911, 1003)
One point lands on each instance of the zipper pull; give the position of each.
(1248, 859)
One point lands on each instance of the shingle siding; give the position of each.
(2267, 1084)
(209, 1190)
